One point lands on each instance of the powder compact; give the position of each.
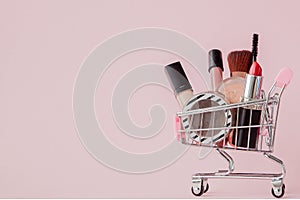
(207, 127)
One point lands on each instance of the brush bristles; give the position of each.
(254, 46)
(239, 61)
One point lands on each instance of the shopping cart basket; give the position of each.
(219, 137)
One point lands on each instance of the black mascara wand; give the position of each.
(254, 46)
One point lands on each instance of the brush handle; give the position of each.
(237, 73)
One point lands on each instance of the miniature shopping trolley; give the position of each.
(198, 126)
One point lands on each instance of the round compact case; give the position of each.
(213, 123)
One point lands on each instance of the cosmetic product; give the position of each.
(249, 115)
(239, 64)
(215, 68)
(207, 120)
(181, 87)
(284, 77)
(254, 46)
(179, 83)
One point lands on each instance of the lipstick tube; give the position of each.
(248, 116)
(252, 87)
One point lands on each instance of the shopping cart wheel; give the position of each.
(206, 188)
(198, 190)
(278, 192)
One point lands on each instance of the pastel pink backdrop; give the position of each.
(42, 45)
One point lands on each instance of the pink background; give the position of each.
(42, 46)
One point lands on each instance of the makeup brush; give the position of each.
(233, 88)
(254, 46)
(239, 62)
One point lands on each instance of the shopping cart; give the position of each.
(215, 137)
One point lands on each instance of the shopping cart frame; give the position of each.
(269, 105)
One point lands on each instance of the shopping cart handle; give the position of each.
(284, 77)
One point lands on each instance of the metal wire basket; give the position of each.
(256, 137)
